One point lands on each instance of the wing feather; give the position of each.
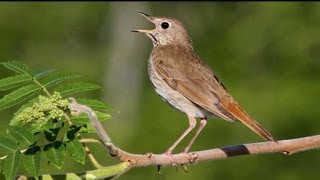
(195, 82)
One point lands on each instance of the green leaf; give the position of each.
(83, 118)
(51, 135)
(53, 126)
(38, 126)
(94, 104)
(59, 77)
(31, 160)
(22, 134)
(102, 116)
(17, 66)
(18, 96)
(86, 124)
(51, 130)
(80, 119)
(11, 164)
(76, 150)
(14, 81)
(76, 87)
(55, 153)
(71, 133)
(44, 73)
(107, 172)
(7, 145)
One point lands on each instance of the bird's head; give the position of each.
(167, 31)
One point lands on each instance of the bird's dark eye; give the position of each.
(164, 25)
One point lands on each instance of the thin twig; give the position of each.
(89, 140)
(106, 140)
(91, 157)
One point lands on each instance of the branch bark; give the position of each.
(287, 147)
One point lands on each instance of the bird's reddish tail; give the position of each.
(243, 117)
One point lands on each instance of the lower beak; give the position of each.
(141, 30)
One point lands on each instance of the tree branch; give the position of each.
(284, 146)
(136, 160)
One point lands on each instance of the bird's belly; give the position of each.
(174, 98)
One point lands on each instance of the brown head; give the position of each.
(167, 31)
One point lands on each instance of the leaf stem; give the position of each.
(89, 140)
(43, 87)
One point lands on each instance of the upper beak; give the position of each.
(150, 18)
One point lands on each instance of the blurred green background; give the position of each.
(266, 54)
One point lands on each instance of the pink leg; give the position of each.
(203, 122)
(192, 124)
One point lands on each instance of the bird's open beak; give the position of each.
(150, 18)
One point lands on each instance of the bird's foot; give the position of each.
(190, 157)
(184, 167)
(169, 153)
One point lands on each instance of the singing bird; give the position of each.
(183, 80)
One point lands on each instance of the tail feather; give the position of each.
(243, 117)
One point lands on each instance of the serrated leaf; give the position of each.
(76, 87)
(44, 73)
(17, 66)
(14, 81)
(7, 145)
(18, 96)
(76, 150)
(55, 153)
(11, 164)
(83, 118)
(102, 116)
(94, 104)
(80, 119)
(59, 77)
(31, 160)
(22, 134)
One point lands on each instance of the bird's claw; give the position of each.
(184, 167)
(159, 169)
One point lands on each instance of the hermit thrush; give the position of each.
(183, 80)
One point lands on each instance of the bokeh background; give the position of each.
(266, 54)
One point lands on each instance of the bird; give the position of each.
(187, 83)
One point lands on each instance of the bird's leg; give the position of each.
(192, 124)
(203, 123)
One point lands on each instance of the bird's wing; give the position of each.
(195, 81)
(186, 73)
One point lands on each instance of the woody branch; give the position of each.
(289, 146)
